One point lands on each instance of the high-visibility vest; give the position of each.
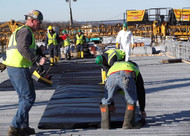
(66, 42)
(119, 53)
(123, 66)
(79, 39)
(14, 58)
(52, 39)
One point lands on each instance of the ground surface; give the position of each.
(167, 100)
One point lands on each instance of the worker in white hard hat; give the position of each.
(124, 41)
(52, 40)
(21, 54)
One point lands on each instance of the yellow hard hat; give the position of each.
(50, 28)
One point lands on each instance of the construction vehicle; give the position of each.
(156, 23)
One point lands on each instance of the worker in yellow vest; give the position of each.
(21, 54)
(126, 76)
(107, 59)
(66, 44)
(79, 44)
(51, 42)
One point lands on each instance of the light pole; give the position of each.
(70, 10)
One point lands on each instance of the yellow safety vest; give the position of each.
(52, 39)
(79, 39)
(119, 53)
(123, 66)
(14, 58)
(66, 42)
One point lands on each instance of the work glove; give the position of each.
(117, 45)
(2, 67)
(132, 46)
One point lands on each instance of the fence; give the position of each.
(178, 49)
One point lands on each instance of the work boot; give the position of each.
(66, 56)
(129, 119)
(69, 55)
(52, 61)
(12, 131)
(28, 131)
(78, 54)
(105, 117)
(82, 54)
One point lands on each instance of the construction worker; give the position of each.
(52, 40)
(66, 44)
(79, 44)
(126, 76)
(21, 54)
(107, 59)
(124, 41)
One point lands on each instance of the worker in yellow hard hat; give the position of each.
(124, 41)
(79, 44)
(51, 42)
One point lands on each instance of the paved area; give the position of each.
(167, 102)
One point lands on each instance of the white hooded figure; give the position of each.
(125, 38)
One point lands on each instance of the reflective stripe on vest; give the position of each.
(119, 53)
(79, 39)
(52, 39)
(66, 42)
(14, 58)
(123, 66)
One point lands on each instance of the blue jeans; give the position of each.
(79, 47)
(23, 84)
(120, 80)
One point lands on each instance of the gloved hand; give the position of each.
(117, 45)
(2, 67)
(132, 46)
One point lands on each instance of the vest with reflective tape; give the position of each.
(14, 58)
(52, 39)
(123, 66)
(119, 53)
(66, 42)
(79, 39)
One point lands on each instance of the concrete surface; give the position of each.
(167, 102)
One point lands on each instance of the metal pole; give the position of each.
(71, 18)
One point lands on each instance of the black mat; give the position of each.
(75, 102)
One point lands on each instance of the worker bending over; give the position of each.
(66, 44)
(52, 41)
(79, 44)
(126, 76)
(107, 59)
(124, 41)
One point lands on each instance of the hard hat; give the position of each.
(79, 30)
(35, 14)
(99, 60)
(50, 28)
(125, 25)
(64, 31)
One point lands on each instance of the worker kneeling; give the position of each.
(126, 76)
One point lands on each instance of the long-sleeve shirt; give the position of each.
(24, 40)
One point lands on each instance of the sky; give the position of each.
(82, 10)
